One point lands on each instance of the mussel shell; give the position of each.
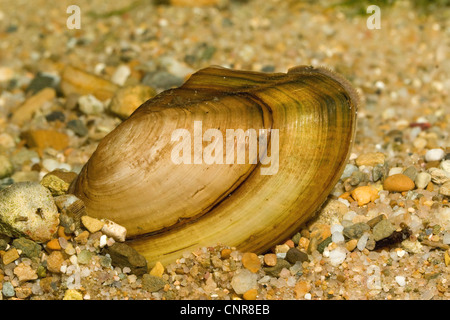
(169, 208)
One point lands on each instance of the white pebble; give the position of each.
(400, 280)
(434, 155)
(362, 241)
(126, 270)
(336, 228)
(395, 170)
(401, 253)
(121, 75)
(73, 259)
(308, 296)
(337, 256)
(89, 104)
(445, 165)
(114, 230)
(103, 242)
(337, 237)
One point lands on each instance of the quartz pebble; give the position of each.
(422, 180)
(243, 281)
(434, 155)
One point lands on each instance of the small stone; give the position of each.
(91, 224)
(243, 281)
(10, 256)
(225, 253)
(270, 259)
(370, 159)
(152, 283)
(251, 261)
(27, 210)
(53, 245)
(157, 270)
(55, 261)
(372, 222)
(401, 281)
(422, 180)
(82, 238)
(355, 231)
(42, 139)
(128, 99)
(105, 261)
(114, 230)
(123, 255)
(90, 105)
(382, 229)
(29, 248)
(446, 258)
(420, 143)
(275, 270)
(321, 247)
(293, 255)
(434, 155)
(55, 116)
(25, 272)
(282, 248)
(398, 183)
(77, 81)
(445, 189)
(411, 172)
(121, 74)
(8, 289)
(395, 170)
(250, 294)
(412, 246)
(6, 167)
(27, 109)
(41, 81)
(349, 169)
(378, 172)
(72, 294)
(58, 181)
(301, 288)
(78, 127)
(41, 271)
(85, 256)
(445, 165)
(439, 176)
(337, 256)
(23, 292)
(351, 244)
(365, 194)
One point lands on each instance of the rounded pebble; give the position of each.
(434, 155)
(398, 183)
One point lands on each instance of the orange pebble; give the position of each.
(250, 294)
(290, 243)
(62, 234)
(225, 253)
(53, 244)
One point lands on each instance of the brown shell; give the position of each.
(170, 208)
